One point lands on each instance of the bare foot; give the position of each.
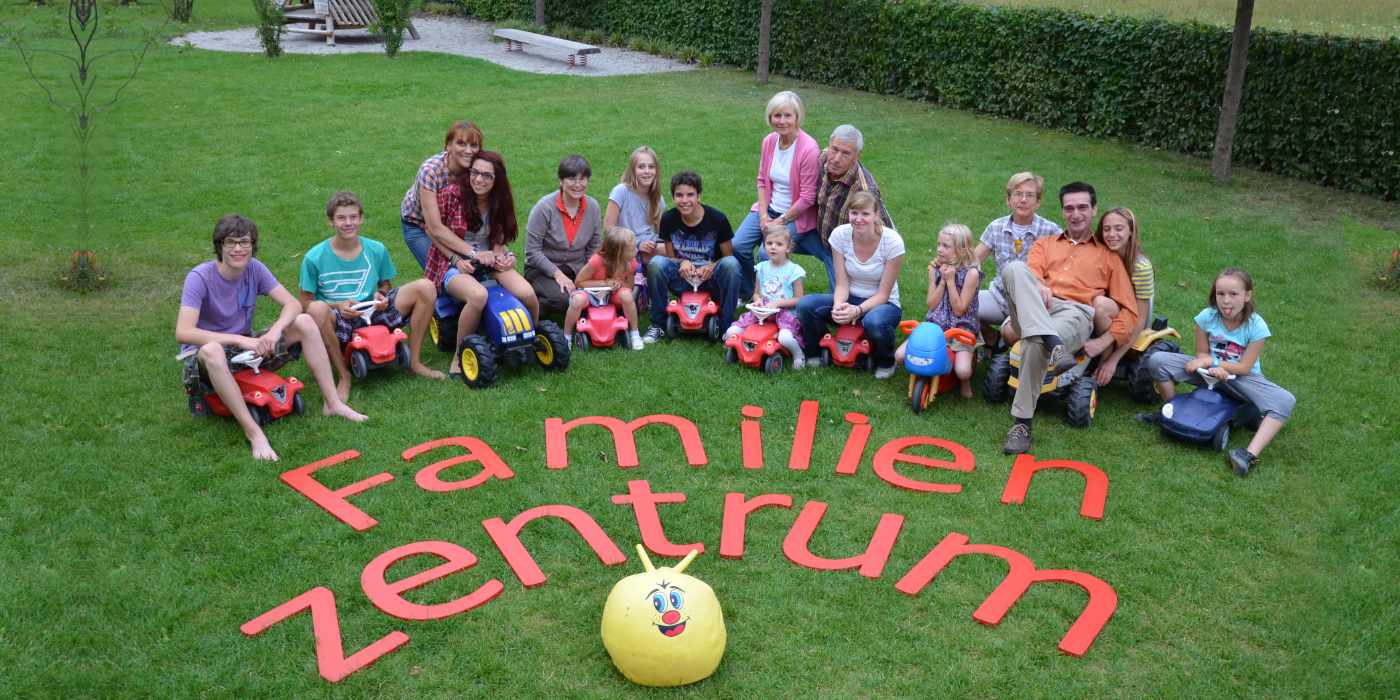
(262, 449)
(342, 388)
(423, 370)
(344, 411)
(966, 391)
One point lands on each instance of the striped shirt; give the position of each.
(1144, 280)
(1006, 246)
(832, 195)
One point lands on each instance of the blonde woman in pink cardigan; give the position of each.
(788, 173)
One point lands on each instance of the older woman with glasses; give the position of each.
(563, 231)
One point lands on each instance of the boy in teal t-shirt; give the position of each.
(346, 269)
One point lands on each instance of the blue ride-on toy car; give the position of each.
(1205, 416)
(506, 336)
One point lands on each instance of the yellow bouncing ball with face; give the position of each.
(663, 628)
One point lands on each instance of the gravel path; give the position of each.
(453, 35)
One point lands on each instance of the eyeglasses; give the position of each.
(1024, 195)
(482, 175)
(232, 243)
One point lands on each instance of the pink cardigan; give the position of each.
(806, 173)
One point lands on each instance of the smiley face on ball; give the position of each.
(669, 602)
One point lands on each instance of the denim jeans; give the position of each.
(418, 241)
(664, 278)
(814, 313)
(749, 235)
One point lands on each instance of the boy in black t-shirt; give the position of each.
(696, 240)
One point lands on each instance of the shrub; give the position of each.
(181, 10)
(1319, 108)
(616, 39)
(393, 20)
(637, 43)
(688, 54)
(706, 58)
(270, 26)
(442, 9)
(594, 37)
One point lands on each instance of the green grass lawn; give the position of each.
(1373, 19)
(137, 540)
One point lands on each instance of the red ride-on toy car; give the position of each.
(847, 347)
(693, 312)
(602, 323)
(757, 345)
(929, 357)
(267, 394)
(374, 346)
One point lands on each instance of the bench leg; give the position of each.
(577, 60)
(330, 31)
(413, 31)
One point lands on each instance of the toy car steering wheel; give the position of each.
(762, 312)
(1211, 381)
(365, 309)
(248, 358)
(598, 296)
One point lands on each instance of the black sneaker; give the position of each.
(654, 334)
(1241, 460)
(1149, 417)
(1018, 439)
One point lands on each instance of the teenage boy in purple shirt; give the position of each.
(216, 323)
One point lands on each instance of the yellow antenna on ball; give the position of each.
(646, 563)
(680, 568)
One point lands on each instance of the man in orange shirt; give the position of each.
(1050, 297)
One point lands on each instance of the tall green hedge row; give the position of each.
(1319, 108)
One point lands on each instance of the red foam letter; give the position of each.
(893, 451)
(507, 539)
(325, 625)
(556, 438)
(801, 456)
(871, 563)
(386, 596)
(1103, 601)
(1095, 483)
(736, 518)
(751, 437)
(855, 444)
(334, 501)
(477, 451)
(643, 503)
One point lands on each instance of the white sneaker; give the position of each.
(884, 372)
(798, 363)
(636, 339)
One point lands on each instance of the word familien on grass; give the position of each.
(385, 595)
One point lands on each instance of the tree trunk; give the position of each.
(1234, 88)
(539, 12)
(765, 29)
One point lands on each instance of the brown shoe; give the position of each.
(1018, 439)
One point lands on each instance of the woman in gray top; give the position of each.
(564, 229)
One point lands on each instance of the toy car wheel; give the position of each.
(1221, 439)
(401, 357)
(444, 333)
(712, 328)
(731, 356)
(582, 342)
(826, 357)
(673, 327)
(1082, 401)
(997, 388)
(1140, 385)
(550, 348)
(478, 362)
(198, 407)
(920, 394)
(359, 364)
(260, 415)
(773, 364)
(863, 364)
(298, 405)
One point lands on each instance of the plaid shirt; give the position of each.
(433, 175)
(1007, 247)
(454, 217)
(832, 196)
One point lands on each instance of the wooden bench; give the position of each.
(517, 39)
(339, 14)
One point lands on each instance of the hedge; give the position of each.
(1319, 108)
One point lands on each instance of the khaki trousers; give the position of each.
(1072, 321)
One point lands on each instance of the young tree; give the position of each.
(765, 30)
(1234, 88)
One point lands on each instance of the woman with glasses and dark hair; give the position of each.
(563, 231)
(478, 211)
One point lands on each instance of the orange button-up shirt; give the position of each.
(1081, 271)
